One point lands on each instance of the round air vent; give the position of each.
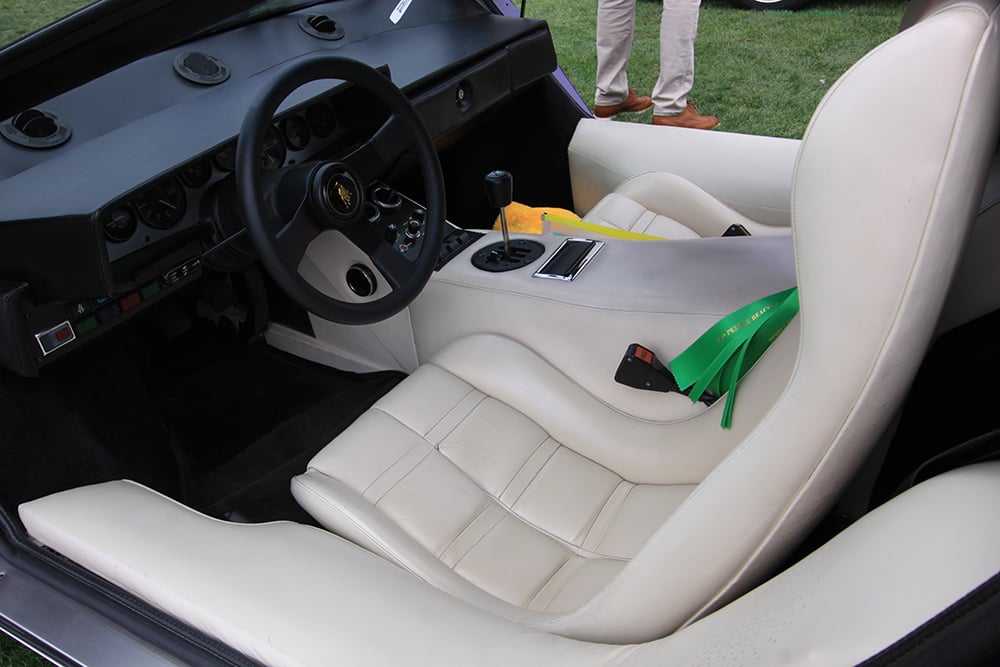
(321, 26)
(201, 68)
(36, 128)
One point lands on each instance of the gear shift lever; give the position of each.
(500, 193)
(506, 255)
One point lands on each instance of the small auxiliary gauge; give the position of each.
(162, 206)
(118, 224)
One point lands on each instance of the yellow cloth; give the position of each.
(523, 219)
(568, 227)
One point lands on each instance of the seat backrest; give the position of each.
(886, 186)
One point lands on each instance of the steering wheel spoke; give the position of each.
(295, 236)
(371, 159)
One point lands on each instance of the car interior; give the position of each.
(274, 383)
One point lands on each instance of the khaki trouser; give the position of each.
(615, 30)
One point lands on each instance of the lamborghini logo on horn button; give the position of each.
(343, 195)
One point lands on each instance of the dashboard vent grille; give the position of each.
(36, 128)
(201, 68)
(321, 26)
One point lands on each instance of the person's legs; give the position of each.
(615, 30)
(678, 29)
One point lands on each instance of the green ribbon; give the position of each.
(718, 360)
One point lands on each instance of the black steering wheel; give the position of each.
(285, 210)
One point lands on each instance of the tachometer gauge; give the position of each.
(296, 131)
(225, 158)
(197, 174)
(272, 155)
(321, 119)
(118, 224)
(162, 206)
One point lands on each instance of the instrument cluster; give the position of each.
(174, 203)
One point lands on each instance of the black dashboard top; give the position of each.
(136, 127)
(142, 120)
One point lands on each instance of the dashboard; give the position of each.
(188, 198)
(138, 199)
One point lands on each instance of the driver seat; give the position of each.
(492, 475)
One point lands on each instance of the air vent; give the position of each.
(321, 26)
(201, 68)
(36, 128)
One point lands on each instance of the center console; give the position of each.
(661, 294)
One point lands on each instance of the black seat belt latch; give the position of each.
(736, 230)
(640, 368)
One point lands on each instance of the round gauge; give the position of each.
(118, 224)
(296, 131)
(272, 156)
(225, 158)
(197, 174)
(162, 206)
(321, 120)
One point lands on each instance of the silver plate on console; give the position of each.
(552, 269)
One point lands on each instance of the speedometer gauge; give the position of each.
(321, 119)
(225, 158)
(162, 206)
(272, 155)
(197, 174)
(297, 133)
(118, 224)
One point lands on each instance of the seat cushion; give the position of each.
(667, 205)
(453, 483)
(621, 212)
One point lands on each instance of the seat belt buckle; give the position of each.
(640, 368)
(736, 230)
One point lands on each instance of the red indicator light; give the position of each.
(129, 301)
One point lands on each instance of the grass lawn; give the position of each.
(13, 654)
(19, 17)
(760, 72)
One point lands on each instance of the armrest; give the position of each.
(752, 174)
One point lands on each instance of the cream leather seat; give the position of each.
(672, 207)
(330, 603)
(493, 476)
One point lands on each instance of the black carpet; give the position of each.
(254, 485)
(216, 423)
(244, 422)
(223, 407)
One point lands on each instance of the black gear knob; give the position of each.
(499, 188)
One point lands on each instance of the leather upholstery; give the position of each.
(667, 205)
(288, 594)
(492, 495)
(868, 312)
(749, 174)
(663, 294)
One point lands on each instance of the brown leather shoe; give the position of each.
(632, 104)
(687, 118)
